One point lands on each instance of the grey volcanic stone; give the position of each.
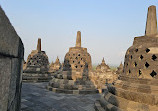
(11, 60)
(151, 23)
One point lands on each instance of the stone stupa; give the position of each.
(102, 75)
(120, 69)
(74, 78)
(54, 67)
(136, 89)
(37, 66)
(102, 67)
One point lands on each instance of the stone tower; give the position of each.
(137, 86)
(11, 61)
(37, 66)
(74, 78)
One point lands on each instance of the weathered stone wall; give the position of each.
(11, 60)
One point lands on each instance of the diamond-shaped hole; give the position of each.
(154, 57)
(141, 57)
(131, 56)
(129, 71)
(147, 65)
(135, 64)
(147, 50)
(136, 50)
(140, 72)
(127, 64)
(153, 73)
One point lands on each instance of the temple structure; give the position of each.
(136, 89)
(74, 78)
(102, 67)
(102, 75)
(120, 69)
(37, 66)
(55, 66)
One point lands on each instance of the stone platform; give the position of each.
(33, 77)
(129, 94)
(70, 84)
(36, 98)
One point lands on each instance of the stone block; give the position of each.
(75, 91)
(5, 75)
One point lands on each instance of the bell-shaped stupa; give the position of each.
(74, 78)
(37, 66)
(136, 88)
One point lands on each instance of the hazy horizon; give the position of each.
(107, 28)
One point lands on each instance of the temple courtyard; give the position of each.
(35, 97)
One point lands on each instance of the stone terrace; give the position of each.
(36, 98)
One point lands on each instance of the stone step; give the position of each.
(35, 80)
(61, 76)
(72, 82)
(150, 89)
(35, 74)
(126, 104)
(153, 82)
(71, 86)
(134, 96)
(59, 90)
(103, 105)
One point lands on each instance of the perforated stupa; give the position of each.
(136, 89)
(74, 78)
(37, 66)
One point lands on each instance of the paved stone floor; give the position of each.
(36, 98)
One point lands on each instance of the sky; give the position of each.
(107, 27)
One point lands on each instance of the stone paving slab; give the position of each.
(36, 98)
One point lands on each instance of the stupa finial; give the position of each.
(39, 44)
(103, 61)
(151, 23)
(57, 60)
(78, 39)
